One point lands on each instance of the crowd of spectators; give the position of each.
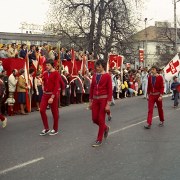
(33, 51)
(125, 83)
(128, 83)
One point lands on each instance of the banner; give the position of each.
(141, 55)
(16, 63)
(26, 74)
(74, 64)
(68, 66)
(115, 61)
(42, 64)
(12, 63)
(172, 68)
(84, 67)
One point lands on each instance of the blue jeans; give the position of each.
(176, 96)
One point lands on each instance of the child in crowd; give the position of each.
(38, 87)
(1, 67)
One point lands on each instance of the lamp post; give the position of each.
(145, 57)
(175, 25)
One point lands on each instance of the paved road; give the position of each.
(129, 153)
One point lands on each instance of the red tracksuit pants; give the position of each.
(54, 110)
(152, 100)
(98, 116)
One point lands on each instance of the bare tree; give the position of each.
(166, 49)
(104, 24)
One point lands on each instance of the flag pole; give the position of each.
(59, 57)
(60, 65)
(28, 99)
(122, 68)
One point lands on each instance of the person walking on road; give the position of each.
(155, 91)
(100, 99)
(175, 91)
(50, 97)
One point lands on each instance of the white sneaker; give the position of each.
(4, 123)
(53, 132)
(44, 132)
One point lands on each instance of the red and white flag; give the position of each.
(73, 60)
(115, 61)
(84, 65)
(26, 74)
(172, 68)
(141, 55)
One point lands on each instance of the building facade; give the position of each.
(158, 43)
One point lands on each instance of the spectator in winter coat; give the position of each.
(175, 92)
(44, 51)
(23, 51)
(3, 52)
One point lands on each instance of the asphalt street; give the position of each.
(129, 153)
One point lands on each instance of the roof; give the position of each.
(29, 37)
(157, 34)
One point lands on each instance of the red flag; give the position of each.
(12, 63)
(115, 61)
(74, 66)
(83, 65)
(26, 73)
(141, 55)
(42, 64)
(91, 64)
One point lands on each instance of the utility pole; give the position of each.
(175, 24)
(145, 56)
(175, 27)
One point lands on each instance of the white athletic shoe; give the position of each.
(4, 123)
(44, 132)
(53, 132)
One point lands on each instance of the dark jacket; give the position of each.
(174, 85)
(79, 85)
(87, 84)
(32, 55)
(23, 53)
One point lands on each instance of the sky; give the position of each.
(13, 12)
(163, 10)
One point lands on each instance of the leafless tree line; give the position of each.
(105, 25)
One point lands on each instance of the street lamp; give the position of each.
(145, 57)
(175, 24)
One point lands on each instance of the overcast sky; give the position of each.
(160, 11)
(13, 12)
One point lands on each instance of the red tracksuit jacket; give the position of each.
(51, 82)
(158, 87)
(104, 87)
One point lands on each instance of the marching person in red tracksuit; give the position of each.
(155, 91)
(50, 97)
(99, 99)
